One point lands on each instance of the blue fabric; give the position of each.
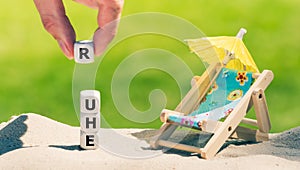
(230, 86)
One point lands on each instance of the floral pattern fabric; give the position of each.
(228, 89)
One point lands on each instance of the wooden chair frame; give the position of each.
(229, 127)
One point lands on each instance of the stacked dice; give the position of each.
(89, 100)
(89, 119)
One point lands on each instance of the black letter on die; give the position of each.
(88, 139)
(83, 52)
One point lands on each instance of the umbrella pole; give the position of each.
(241, 33)
(230, 55)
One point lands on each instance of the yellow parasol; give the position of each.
(230, 50)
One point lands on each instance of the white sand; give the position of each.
(31, 141)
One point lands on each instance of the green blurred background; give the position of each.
(36, 77)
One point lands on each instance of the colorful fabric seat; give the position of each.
(226, 92)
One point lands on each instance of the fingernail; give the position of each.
(64, 49)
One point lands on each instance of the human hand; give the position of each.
(56, 22)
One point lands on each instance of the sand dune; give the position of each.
(31, 141)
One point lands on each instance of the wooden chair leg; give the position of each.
(261, 110)
(225, 130)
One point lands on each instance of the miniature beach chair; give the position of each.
(227, 89)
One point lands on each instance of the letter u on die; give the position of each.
(89, 101)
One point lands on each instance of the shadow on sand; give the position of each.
(198, 139)
(10, 135)
(67, 147)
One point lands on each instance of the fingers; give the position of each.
(108, 19)
(56, 22)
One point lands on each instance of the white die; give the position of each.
(89, 140)
(84, 52)
(90, 101)
(89, 122)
